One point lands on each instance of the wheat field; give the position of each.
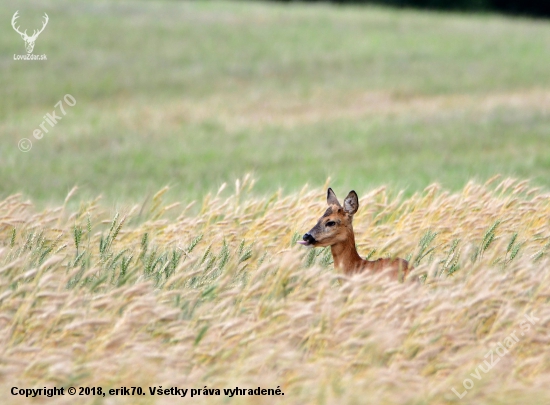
(219, 295)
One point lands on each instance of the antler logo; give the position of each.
(29, 41)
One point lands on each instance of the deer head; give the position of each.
(29, 41)
(335, 224)
(334, 229)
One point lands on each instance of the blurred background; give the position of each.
(194, 94)
(534, 8)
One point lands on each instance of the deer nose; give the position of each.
(308, 238)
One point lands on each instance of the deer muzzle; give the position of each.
(307, 240)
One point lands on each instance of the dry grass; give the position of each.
(225, 298)
(259, 111)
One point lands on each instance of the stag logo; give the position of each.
(29, 40)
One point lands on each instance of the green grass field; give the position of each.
(194, 94)
(201, 283)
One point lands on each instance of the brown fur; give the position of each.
(339, 235)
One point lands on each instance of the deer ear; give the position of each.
(331, 198)
(351, 203)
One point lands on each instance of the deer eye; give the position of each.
(330, 223)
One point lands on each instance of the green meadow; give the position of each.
(210, 129)
(195, 94)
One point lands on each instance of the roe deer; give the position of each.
(334, 229)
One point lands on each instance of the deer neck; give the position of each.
(345, 255)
